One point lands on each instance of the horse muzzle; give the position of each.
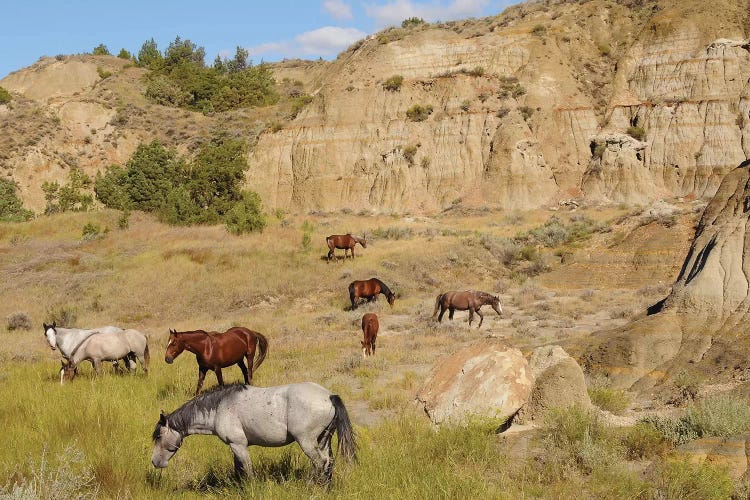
(53, 348)
(169, 360)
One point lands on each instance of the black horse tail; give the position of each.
(351, 295)
(437, 305)
(263, 347)
(347, 438)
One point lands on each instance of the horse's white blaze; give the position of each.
(51, 338)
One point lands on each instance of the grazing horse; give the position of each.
(369, 289)
(67, 339)
(215, 351)
(469, 299)
(370, 331)
(112, 346)
(243, 415)
(345, 242)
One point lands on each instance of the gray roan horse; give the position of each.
(469, 299)
(111, 346)
(67, 339)
(244, 415)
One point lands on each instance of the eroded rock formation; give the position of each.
(702, 324)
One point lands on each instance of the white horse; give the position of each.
(106, 346)
(243, 415)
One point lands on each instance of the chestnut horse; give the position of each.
(369, 289)
(345, 242)
(370, 330)
(469, 299)
(215, 351)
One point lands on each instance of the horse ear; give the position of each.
(163, 419)
(45, 326)
(54, 324)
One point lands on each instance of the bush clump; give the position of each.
(74, 196)
(412, 21)
(206, 190)
(18, 321)
(11, 206)
(609, 399)
(5, 96)
(394, 83)
(509, 87)
(636, 132)
(419, 113)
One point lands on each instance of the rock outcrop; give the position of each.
(701, 325)
(732, 453)
(558, 383)
(488, 379)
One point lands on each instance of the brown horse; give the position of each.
(469, 299)
(369, 289)
(345, 242)
(215, 351)
(370, 331)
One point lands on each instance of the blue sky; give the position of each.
(270, 30)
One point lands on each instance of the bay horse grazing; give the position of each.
(215, 351)
(369, 289)
(107, 346)
(470, 299)
(370, 327)
(242, 415)
(343, 241)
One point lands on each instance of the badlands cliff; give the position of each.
(599, 100)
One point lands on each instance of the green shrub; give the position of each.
(636, 133)
(526, 112)
(394, 83)
(393, 233)
(539, 29)
(411, 22)
(5, 96)
(476, 71)
(409, 153)
(124, 54)
(676, 431)
(466, 105)
(93, 231)
(419, 113)
(678, 479)
(298, 103)
(509, 87)
(598, 150)
(609, 399)
(688, 384)
(604, 49)
(164, 91)
(644, 441)
(103, 73)
(11, 206)
(124, 221)
(721, 415)
(69, 197)
(246, 216)
(101, 50)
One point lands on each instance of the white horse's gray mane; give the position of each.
(180, 419)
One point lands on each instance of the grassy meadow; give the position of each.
(91, 437)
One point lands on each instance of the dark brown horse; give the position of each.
(345, 242)
(469, 299)
(369, 289)
(215, 351)
(370, 327)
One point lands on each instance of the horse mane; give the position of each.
(206, 402)
(384, 288)
(357, 239)
(485, 295)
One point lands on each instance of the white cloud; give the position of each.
(326, 41)
(338, 9)
(395, 11)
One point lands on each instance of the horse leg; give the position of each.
(442, 311)
(321, 459)
(372, 346)
(450, 313)
(243, 468)
(481, 318)
(242, 366)
(201, 375)
(97, 367)
(471, 315)
(218, 376)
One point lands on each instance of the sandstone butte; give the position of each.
(596, 100)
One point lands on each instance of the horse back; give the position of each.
(370, 325)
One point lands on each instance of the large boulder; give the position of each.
(700, 326)
(489, 379)
(558, 383)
